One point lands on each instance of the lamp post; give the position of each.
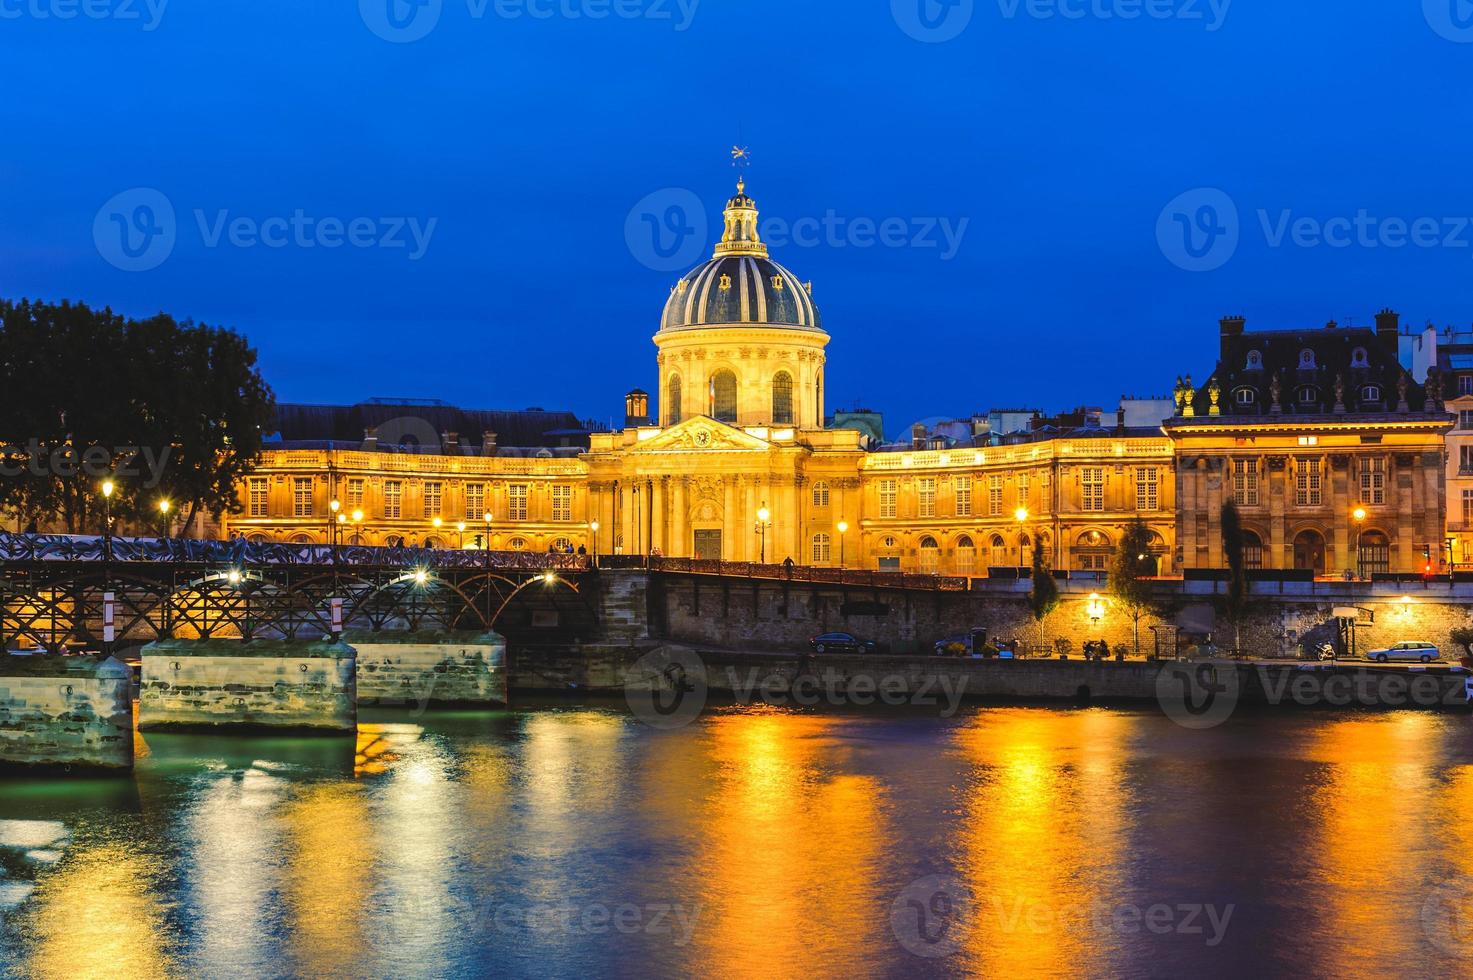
(1359, 516)
(164, 506)
(593, 534)
(460, 535)
(843, 528)
(357, 520)
(1021, 516)
(107, 527)
(762, 522)
(486, 519)
(435, 522)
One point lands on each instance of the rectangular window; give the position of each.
(475, 501)
(1245, 482)
(1465, 419)
(1092, 487)
(1023, 488)
(1373, 481)
(256, 496)
(562, 502)
(433, 494)
(1467, 514)
(393, 499)
(887, 498)
(354, 496)
(1146, 488)
(516, 502)
(302, 497)
(926, 497)
(964, 496)
(994, 495)
(1307, 488)
(1465, 384)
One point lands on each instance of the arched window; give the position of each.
(1245, 396)
(1370, 393)
(723, 396)
(1255, 360)
(257, 539)
(1025, 551)
(301, 539)
(999, 551)
(782, 399)
(1358, 358)
(1252, 550)
(672, 400)
(820, 494)
(517, 544)
(1374, 553)
(1308, 395)
(966, 556)
(563, 546)
(821, 549)
(432, 542)
(1092, 553)
(930, 556)
(1306, 360)
(393, 541)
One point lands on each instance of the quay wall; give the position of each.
(71, 711)
(460, 668)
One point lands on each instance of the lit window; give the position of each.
(517, 544)
(1146, 485)
(1467, 514)
(1309, 440)
(475, 501)
(820, 494)
(964, 496)
(1245, 482)
(887, 498)
(562, 502)
(930, 556)
(1465, 419)
(1465, 384)
(302, 497)
(257, 496)
(926, 497)
(432, 496)
(1245, 396)
(994, 495)
(1092, 487)
(1306, 360)
(782, 399)
(516, 502)
(1373, 481)
(1370, 393)
(393, 498)
(354, 496)
(672, 401)
(821, 549)
(723, 396)
(966, 555)
(1307, 483)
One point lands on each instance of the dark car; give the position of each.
(841, 643)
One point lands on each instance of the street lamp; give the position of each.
(164, 517)
(486, 519)
(1021, 516)
(843, 528)
(762, 522)
(435, 522)
(460, 535)
(1359, 516)
(107, 524)
(593, 531)
(1095, 608)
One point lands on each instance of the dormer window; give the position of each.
(1255, 361)
(1308, 395)
(1358, 358)
(1245, 396)
(1370, 393)
(1306, 360)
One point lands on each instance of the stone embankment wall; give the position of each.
(430, 668)
(260, 684)
(65, 711)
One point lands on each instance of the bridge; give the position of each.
(62, 592)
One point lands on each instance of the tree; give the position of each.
(163, 408)
(1463, 636)
(1237, 585)
(1043, 598)
(1130, 571)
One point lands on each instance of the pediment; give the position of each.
(702, 434)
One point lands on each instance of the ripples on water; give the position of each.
(569, 841)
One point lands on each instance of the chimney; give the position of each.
(370, 439)
(1388, 328)
(488, 443)
(450, 443)
(636, 409)
(1232, 326)
(918, 436)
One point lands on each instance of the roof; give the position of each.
(420, 424)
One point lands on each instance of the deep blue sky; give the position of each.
(1058, 140)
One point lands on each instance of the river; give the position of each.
(574, 841)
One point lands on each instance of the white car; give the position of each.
(1408, 650)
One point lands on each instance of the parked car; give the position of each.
(1407, 650)
(842, 643)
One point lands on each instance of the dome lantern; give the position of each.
(740, 236)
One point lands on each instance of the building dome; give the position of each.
(740, 284)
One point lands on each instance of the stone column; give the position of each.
(1279, 555)
(730, 519)
(680, 543)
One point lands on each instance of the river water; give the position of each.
(575, 841)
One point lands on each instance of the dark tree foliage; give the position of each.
(1044, 596)
(1131, 569)
(167, 409)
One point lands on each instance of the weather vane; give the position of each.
(741, 157)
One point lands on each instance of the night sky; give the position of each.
(538, 145)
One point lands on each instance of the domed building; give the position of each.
(740, 339)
